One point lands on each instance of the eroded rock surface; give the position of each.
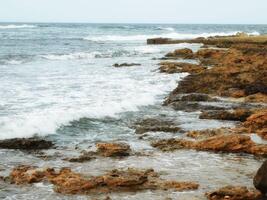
(68, 182)
(185, 53)
(155, 125)
(180, 67)
(235, 115)
(26, 144)
(234, 193)
(232, 143)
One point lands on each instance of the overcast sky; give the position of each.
(135, 11)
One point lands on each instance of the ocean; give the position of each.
(58, 81)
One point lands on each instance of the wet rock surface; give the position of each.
(155, 125)
(113, 149)
(180, 67)
(234, 193)
(235, 115)
(185, 53)
(26, 144)
(67, 182)
(104, 150)
(232, 143)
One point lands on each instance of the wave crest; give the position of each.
(174, 35)
(13, 26)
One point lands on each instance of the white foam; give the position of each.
(12, 62)
(147, 49)
(172, 35)
(166, 28)
(72, 56)
(13, 26)
(101, 92)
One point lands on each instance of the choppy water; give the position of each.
(58, 80)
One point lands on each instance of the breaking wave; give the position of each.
(173, 35)
(13, 26)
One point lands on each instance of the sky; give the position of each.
(135, 11)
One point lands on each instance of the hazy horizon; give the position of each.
(138, 11)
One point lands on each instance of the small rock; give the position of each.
(126, 65)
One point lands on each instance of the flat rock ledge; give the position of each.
(235, 193)
(232, 143)
(119, 180)
(26, 144)
(117, 150)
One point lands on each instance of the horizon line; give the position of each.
(71, 22)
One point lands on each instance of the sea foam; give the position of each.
(13, 26)
(173, 35)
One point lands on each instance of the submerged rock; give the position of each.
(155, 125)
(234, 193)
(126, 64)
(68, 182)
(260, 180)
(232, 143)
(26, 144)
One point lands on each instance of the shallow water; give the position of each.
(57, 81)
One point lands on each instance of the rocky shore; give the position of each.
(227, 82)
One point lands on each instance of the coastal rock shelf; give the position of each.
(206, 140)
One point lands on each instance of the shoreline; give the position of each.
(199, 91)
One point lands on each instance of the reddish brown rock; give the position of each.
(113, 149)
(28, 174)
(68, 182)
(202, 134)
(181, 53)
(231, 143)
(234, 193)
(180, 67)
(257, 123)
(240, 71)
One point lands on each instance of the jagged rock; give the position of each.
(84, 157)
(179, 67)
(68, 182)
(113, 149)
(240, 71)
(231, 143)
(126, 65)
(191, 106)
(257, 123)
(258, 97)
(26, 144)
(260, 180)
(203, 134)
(182, 53)
(155, 125)
(234, 193)
(235, 115)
